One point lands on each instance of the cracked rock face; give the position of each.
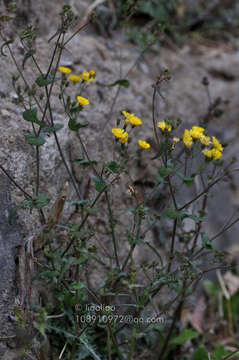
(10, 240)
(186, 99)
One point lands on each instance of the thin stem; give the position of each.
(171, 256)
(153, 116)
(167, 307)
(217, 235)
(108, 117)
(15, 183)
(132, 246)
(172, 327)
(48, 105)
(87, 215)
(201, 193)
(20, 72)
(111, 220)
(230, 355)
(38, 170)
(115, 343)
(75, 33)
(155, 251)
(108, 343)
(200, 223)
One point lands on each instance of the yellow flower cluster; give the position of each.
(216, 151)
(87, 76)
(131, 119)
(123, 135)
(197, 132)
(164, 126)
(120, 134)
(187, 138)
(143, 144)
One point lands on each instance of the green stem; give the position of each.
(173, 324)
(132, 246)
(87, 215)
(15, 183)
(75, 33)
(153, 116)
(48, 105)
(171, 256)
(111, 220)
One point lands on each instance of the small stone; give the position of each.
(5, 112)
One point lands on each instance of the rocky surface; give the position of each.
(185, 98)
(10, 240)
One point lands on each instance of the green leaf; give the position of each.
(164, 147)
(41, 201)
(85, 162)
(5, 18)
(193, 217)
(29, 54)
(5, 44)
(50, 129)
(43, 81)
(74, 126)
(210, 287)
(34, 140)
(31, 116)
(164, 172)
(122, 82)
(219, 352)
(189, 181)
(185, 335)
(46, 274)
(206, 242)
(172, 213)
(200, 353)
(22, 205)
(79, 202)
(90, 348)
(113, 166)
(180, 215)
(99, 183)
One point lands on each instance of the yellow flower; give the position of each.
(64, 70)
(187, 138)
(88, 76)
(212, 154)
(131, 118)
(163, 125)
(216, 144)
(205, 140)
(196, 132)
(82, 101)
(117, 132)
(134, 120)
(74, 78)
(124, 138)
(207, 153)
(216, 154)
(126, 114)
(143, 144)
(92, 73)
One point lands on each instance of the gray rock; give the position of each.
(10, 239)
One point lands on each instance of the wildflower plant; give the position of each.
(72, 328)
